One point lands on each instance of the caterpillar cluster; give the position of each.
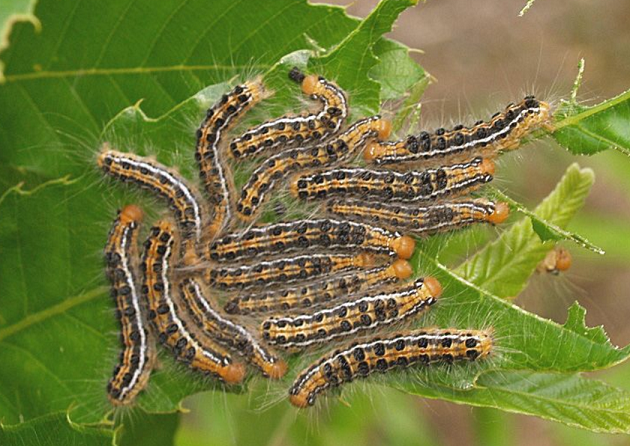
(300, 284)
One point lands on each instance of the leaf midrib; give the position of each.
(122, 71)
(47, 313)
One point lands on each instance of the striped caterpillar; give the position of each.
(382, 355)
(421, 220)
(131, 374)
(229, 333)
(212, 172)
(298, 331)
(429, 184)
(304, 234)
(304, 129)
(188, 344)
(146, 173)
(322, 291)
(286, 270)
(503, 132)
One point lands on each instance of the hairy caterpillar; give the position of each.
(229, 333)
(137, 357)
(304, 129)
(421, 220)
(503, 132)
(429, 184)
(304, 234)
(182, 198)
(265, 177)
(384, 354)
(187, 343)
(557, 260)
(298, 331)
(323, 290)
(285, 270)
(219, 118)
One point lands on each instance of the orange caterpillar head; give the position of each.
(404, 247)
(500, 213)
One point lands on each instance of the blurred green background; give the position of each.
(483, 56)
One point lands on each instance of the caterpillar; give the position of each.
(229, 333)
(296, 332)
(503, 132)
(303, 129)
(319, 292)
(219, 118)
(131, 374)
(285, 270)
(556, 261)
(304, 234)
(189, 345)
(359, 360)
(276, 167)
(148, 174)
(429, 184)
(421, 220)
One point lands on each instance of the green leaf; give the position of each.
(54, 430)
(503, 266)
(524, 340)
(149, 430)
(588, 130)
(544, 232)
(353, 57)
(576, 321)
(526, 345)
(58, 340)
(139, 74)
(395, 71)
(89, 62)
(12, 11)
(570, 399)
(545, 229)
